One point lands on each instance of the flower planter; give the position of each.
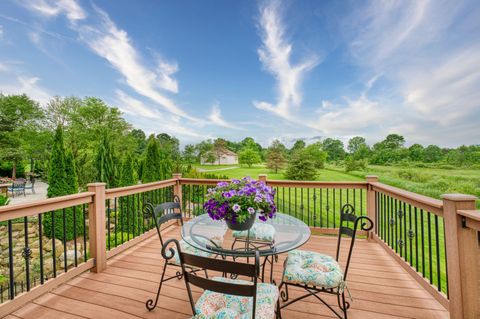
(246, 225)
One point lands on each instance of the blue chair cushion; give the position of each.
(217, 305)
(259, 231)
(311, 268)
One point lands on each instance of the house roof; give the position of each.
(226, 151)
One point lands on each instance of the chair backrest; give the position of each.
(349, 224)
(164, 212)
(19, 184)
(220, 265)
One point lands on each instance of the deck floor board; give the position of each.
(380, 287)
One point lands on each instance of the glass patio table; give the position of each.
(213, 236)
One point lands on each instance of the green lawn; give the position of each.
(254, 171)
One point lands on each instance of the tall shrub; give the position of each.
(152, 170)
(130, 206)
(62, 181)
(105, 163)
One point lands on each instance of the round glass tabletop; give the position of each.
(275, 236)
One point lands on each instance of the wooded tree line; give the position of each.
(105, 147)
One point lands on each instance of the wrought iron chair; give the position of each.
(18, 186)
(318, 273)
(224, 297)
(259, 236)
(161, 214)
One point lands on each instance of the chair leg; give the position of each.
(279, 310)
(150, 304)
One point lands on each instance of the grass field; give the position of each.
(320, 207)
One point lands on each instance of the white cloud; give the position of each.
(132, 106)
(353, 117)
(28, 85)
(149, 119)
(216, 118)
(1, 32)
(35, 37)
(275, 55)
(445, 91)
(51, 8)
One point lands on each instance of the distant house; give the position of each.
(223, 157)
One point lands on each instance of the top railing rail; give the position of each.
(37, 207)
(424, 202)
(140, 188)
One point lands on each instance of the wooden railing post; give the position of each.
(262, 177)
(458, 248)
(371, 213)
(96, 227)
(177, 189)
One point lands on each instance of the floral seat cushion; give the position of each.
(222, 306)
(259, 231)
(189, 249)
(311, 268)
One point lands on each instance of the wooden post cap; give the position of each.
(177, 175)
(371, 178)
(459, 197)
(262, 177)
(96, 184)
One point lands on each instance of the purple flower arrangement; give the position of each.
(237, 200)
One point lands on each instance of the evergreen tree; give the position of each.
(105, 163)
(276, 156)
(301, 167)
(128, 172)
(62, 181)
(71, 173)
(57, 183)
(152, 170)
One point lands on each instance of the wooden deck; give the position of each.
(380, 287)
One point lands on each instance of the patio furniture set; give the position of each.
(241, 289)
(19, 186)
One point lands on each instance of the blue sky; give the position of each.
(266, 69)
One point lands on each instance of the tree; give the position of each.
(105, 163)
(203, 148)
(276, 156)
(432, 154)
(140, 140)
(416, 152)
(317, 154)
(299, 145)
(71, 173)
(355, 143)
(18, 115)
(301, 166)
(334, 148)
(59, 184)
(127, 176)
(249, 157)
(189, 154)
(57, 180)
(151, 171)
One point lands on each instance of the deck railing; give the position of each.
(436, 241)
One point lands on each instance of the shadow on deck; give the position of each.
(380, 288)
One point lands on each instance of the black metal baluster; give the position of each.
(416, 239)
(314, 206)
(430, 259)
(289, 201)
(54, 254)
(437, 246)
(127, 206)
(64, 225)
(321, 207)
(423, 242)
(377, 205)
(296, 203)
(328, 207)
(84, 233)
(115, 220)
(396, 231)
(10, 261)
(139, 215)
(75, 235)
(334, 213)
(283, 200)
(404, 212)
(40, 246)
(108, 224)
(410, 233)
(27, 253)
